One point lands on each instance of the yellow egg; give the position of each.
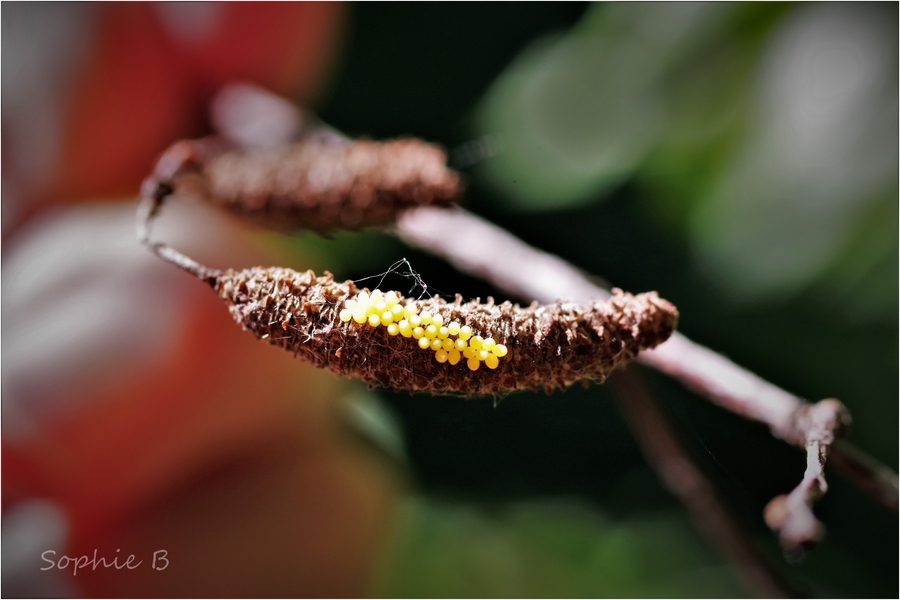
(405, 329)
(483, 354)
(492, 361)
(440, 356)
(453, 328)
(465, 332)
(426, 317)
(391, 299)
(443, 332)
(346, 315)
(437, 320)
(415, 320)
(374, 320)
(397, 311)
(431, 332)
(419, 333)
(488, 344)
(473, 363)
(476, 341)
(387, 317)
(453, 357)
(499, 350)
(424, 343)
(447, 345)
(409, 310)
(435, 345)
(360, 315)
(461, 345)
(393, 329)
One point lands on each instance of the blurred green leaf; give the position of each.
(577, 114)
(822, 151)
(368, 415)
(548, 549)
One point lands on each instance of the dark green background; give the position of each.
(420, 69)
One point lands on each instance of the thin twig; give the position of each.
(667, 456)
(147, 210)
(486, 250)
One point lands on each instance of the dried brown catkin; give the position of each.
(550, 345)
(320, 184)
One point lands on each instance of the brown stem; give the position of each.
(867, 473)
(675, 468)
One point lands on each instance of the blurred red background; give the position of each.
(162, 425)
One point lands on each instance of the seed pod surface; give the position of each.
(548, 345)
(318, 184)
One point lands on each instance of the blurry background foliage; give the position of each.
(741, 159)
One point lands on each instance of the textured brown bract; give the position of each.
(549, 346)
(319, 183)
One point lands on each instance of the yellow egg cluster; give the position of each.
(451, 342)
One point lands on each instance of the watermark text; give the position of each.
(159, 561)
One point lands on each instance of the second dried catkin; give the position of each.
(316, 184)
(549, 346)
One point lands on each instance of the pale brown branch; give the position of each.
(491, 253)
(487, 251)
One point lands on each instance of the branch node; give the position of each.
(815, 426)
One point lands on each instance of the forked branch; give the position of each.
(331, 182)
